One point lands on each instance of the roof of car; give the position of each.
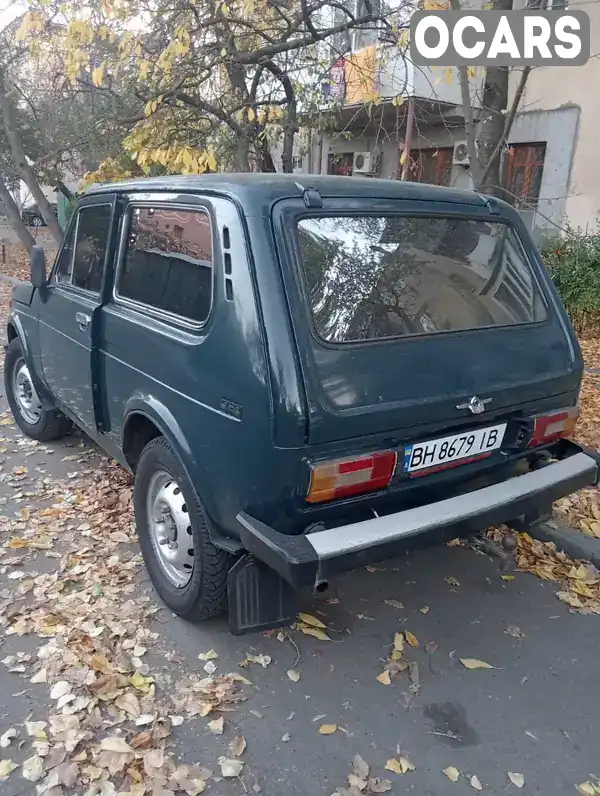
(268, 187)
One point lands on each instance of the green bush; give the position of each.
(574, 264)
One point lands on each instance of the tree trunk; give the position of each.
(22, 164)
(14, 218)
(492, 120)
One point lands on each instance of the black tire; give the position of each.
(205, 594)
(52, 424)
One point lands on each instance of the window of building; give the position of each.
(433, 166)
(168, 262)
(341, 163)
(524, 164)
(81, 262)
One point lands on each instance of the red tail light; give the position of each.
(352, 476)
(556, 425)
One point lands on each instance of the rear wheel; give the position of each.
(187, 570)
(26, 406)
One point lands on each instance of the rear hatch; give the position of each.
(405, 311)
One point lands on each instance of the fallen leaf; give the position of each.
(211, 655)
(33, 768)
(507, 578)
(60, 689)
(216, 726)
(262, 660)
(587, 789)
(475, 783)
(237, 746)
(315, 632)
(424, 609)
(115, 743)
(210, 667)
(398, 642)
(452, 773)
(293, 675)
(40, 676)
(475, 663)
(140, 682)
(451, 581)
(327, 729)
(453, 543)
(411, 638)
(287, 737)
(176, 721)
(514, 631)
(517, 779)
(100, 663)
(311, 620)
(7, 737)
(394, 603)
(145, 718)
(384, 678)
(129, 703)
(142, 740)
(377, 785)
(230, 768)
(6, 768)
(399, 766)
(360, 767)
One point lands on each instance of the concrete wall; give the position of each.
(559, 87)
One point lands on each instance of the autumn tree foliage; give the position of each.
(200, 85)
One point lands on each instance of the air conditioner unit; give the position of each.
(364, 163)
(460, 155)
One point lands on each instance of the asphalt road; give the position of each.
(535, 714)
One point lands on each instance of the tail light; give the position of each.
(554, 426)
(352, 476)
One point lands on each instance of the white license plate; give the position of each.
(442, 451)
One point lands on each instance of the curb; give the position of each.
(567, 540)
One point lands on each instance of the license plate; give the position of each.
(439, 453)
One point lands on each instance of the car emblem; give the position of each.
(475, 405)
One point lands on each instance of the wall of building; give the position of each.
(559, 87)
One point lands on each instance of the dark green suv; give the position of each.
(303, 374)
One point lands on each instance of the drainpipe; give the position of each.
(408, 140)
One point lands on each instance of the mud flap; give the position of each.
(258, 598)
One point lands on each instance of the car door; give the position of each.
(69, 316)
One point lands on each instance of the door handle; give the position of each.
(83, 320)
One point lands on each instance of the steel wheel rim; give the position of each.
(25, 394)
(170, 528)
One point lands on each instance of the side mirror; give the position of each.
(37, 267)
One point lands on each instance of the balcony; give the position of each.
(381, 74)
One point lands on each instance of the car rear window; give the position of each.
(371, 277)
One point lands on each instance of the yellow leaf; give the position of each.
(587, 789)
(384, 678)
(97, 75)
(100, 663)
(211, 655)
(398, 642)
(315, 632)
(518, 780)
(411, 638)
(327, 729)
(140, 682)
(424, 609)
(309, 619)
(452, 773)
(16, 543)
(400, 766)
(507, 578)
(251, 114)
(475, 663)
(6, 767)
(453, 543)
(293, 675)
(148, 108)
(204, 708)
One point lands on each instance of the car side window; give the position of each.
(168, 262)
(93, 230)
(64, 266)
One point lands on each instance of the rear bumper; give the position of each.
(303, 560)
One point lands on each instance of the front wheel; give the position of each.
(26, 406)
(187, 570)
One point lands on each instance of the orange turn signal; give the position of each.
(351, 476)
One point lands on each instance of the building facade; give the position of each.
(551, 171)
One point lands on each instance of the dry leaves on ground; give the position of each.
(109, 725)
(580, 580)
